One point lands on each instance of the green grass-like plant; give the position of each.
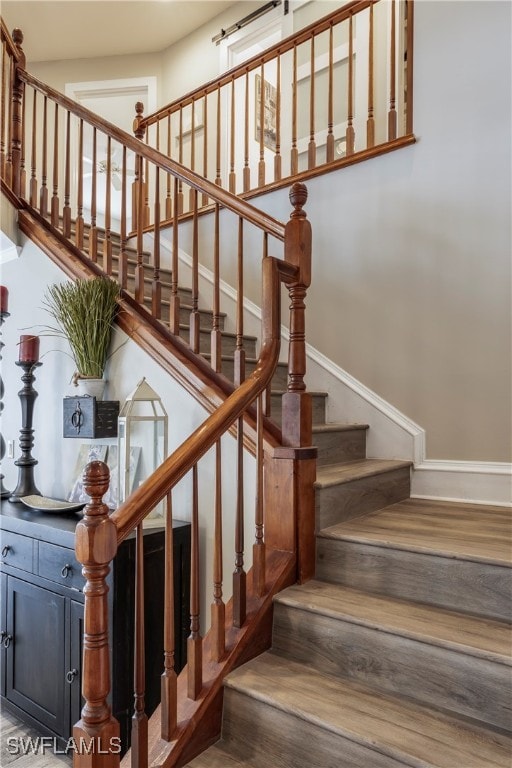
(84, 312)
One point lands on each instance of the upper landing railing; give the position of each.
(334, 93)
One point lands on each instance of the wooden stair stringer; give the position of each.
(191, 370)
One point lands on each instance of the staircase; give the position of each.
(399, 651)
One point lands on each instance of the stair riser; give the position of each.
(345, 445)
(438, 676)
(272, 738)
(227, 344)
(344, 501)
(279, 379)
(205, 321)
(318, 405)
(461, 585)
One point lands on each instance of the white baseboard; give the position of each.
(468, 481)
(392, 435)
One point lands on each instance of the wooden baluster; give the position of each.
(174, 311)
(258, 550)
(239, 345)
(350, 109)
(139, 268)
(3, 90)
(55, 195)
(192, 150)
(145, 186)
(277, 156)
(168, 199)
(204, 199)
(261, 164)
(107, 243)
(16, 115)
(194, 641)
(409, 10)
(156, 288)
(312, 143)
(392, 76)
(329, 148)
(123, 257)
(43, 194)
(268, 391)
(218, 606)
(180, 159)
(23, 172)
(139, 742)
(247, 170)
(216, 336)
(239, 575)
(294, 158)
(93, 231)
(169, 680)
(66, 211)
(218, 179)
(79, 224)
(33, 159)
(194, 314)
(8, 158)
(97, 732)
(232, 174)
(138, 130)
(370, 123)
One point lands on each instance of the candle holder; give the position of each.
(4, 493)
(26, 463)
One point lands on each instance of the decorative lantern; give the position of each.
(142, 442)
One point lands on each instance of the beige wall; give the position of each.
(412, 251)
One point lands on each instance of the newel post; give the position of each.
(138, 182)
(17, 117)
(96, 736)
(293, 466)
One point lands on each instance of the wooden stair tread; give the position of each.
(460, 632)
(216, 757)
(446, 528)
(338, 427)
(415, 734)
(335, 474)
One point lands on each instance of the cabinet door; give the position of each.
(74, 674)
(36, 655)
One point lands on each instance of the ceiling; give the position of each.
(75, 29)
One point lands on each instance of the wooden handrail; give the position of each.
(176, 466)
(256, 61)
(11, 45)
(227, 200)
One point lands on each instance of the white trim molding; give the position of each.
(470, 481)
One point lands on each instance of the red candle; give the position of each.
(29, 349)
(4, 298)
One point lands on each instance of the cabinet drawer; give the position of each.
(59, 564)
(17, 550)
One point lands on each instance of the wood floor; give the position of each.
(16, 738)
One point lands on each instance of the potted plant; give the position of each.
(84, 312)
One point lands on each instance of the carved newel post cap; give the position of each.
(17, 36)
(139, 108)
(96, 479)
(298, 197)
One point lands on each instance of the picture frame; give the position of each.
(264, 89)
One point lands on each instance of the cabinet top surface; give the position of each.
(59, 528)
